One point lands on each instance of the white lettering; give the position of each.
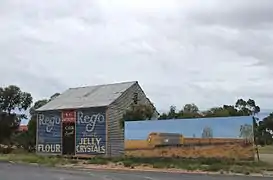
(90, 121)
(88, 145)
(49, 148)
(48, 121)
(69, 128)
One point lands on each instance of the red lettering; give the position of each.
(69, 116)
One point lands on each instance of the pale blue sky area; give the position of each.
(227, 127)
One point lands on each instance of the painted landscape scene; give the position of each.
(227, 137)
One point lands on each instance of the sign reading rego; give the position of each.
(90, 136)
(49, 133)
(90, 133)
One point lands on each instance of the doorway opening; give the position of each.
(68, 140)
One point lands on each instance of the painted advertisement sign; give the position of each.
(223, 137)
(69, 116)
(49, 139)
(91, 132)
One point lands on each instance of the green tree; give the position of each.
(241, 108)
(190, 111)
(247, 108)
(11, 99)
(163, 116)
(190, 108)
(9, 123)
(263, 130)
(37, 105)
(137, 112)
(172, 114)
(217, 112)
(268, 122)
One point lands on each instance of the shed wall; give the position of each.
(90, 135)
(91, 132)
(49, 136)
(115, 112)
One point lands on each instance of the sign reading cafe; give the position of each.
(90, 133)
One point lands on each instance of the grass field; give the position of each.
(266, 154)
(201, 164)
(220, 151)
(266, 150)
(141, 148)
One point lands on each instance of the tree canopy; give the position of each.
(12, 100)
(240, 108)
(137, 112)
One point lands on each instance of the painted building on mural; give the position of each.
(85, 121)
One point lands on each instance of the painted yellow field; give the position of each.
(232, 148)
(219, 151)
(136, 144)
(212, 140)
(143, 144)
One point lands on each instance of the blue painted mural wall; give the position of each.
(91, 131)
(49, 138)
(90, 137)
(223, 127)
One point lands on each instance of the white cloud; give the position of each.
(181, 51)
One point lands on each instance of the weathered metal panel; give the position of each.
(115, 113)
(86, 97)
(91, 131)
(49, 133)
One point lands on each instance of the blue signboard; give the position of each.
(49, 138)
(91, 132)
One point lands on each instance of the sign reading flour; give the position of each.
(49, 133)
(91, 132)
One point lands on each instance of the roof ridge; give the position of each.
(97, 85)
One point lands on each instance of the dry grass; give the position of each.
(234, 151)
(266, 150)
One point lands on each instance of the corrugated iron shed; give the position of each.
(86, 97)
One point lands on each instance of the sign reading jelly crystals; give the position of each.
(49, 133)
(90, 132)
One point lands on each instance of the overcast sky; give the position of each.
(207, 52)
